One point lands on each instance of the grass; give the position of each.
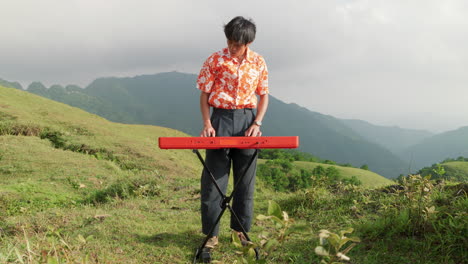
(76, 188)
(44, 184)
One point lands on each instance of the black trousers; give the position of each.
(227, 123)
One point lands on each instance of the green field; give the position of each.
(457, 169)
(449, 169)
(369, 179)
(76, 188)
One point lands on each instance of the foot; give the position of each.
(205, 255)
(242, 238)
(212, 242)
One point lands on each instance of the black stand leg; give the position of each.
(226, 200)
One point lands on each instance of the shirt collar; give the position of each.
(248, 54)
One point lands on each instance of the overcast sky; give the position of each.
(398, 62)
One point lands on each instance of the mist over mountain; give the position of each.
(393, 138)
(328, 138)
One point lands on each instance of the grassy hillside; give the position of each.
(76, 188)
(455, 170)
(368, 179)
(65, 185)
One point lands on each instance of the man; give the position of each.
(229, 81)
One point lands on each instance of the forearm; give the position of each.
(262, 107)
(205, 108)
(208, 130)
(254, 129)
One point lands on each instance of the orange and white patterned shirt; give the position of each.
(232, 85)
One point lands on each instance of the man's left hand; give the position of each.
(253, 131)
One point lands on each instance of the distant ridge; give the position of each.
(393, 138)
(451, 144)
(15, 85)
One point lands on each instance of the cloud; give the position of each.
(375, 60)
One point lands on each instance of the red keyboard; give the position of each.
(228, 142)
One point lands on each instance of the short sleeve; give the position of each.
(262, 87)
(206, 77)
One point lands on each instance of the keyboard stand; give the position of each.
(225, 204)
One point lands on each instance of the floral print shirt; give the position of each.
(233, 85)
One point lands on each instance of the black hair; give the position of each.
(240, 30)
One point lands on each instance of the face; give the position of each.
(237, 49)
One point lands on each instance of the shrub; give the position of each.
(19, 129)
(291, 155)
(56, 138)
(275, 233)
(353, 181)
(281, 175)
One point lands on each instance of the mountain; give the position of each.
(328, 138)
(111, 148)
(6, 83)
(171, 100)
(393, 138)
(451, 144)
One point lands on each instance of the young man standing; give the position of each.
(229, 81)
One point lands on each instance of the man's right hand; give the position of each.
(208, 131)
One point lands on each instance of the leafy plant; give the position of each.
(271, 238)
(246, 252)
(282, 223)
(417, 199)
(331, 246)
